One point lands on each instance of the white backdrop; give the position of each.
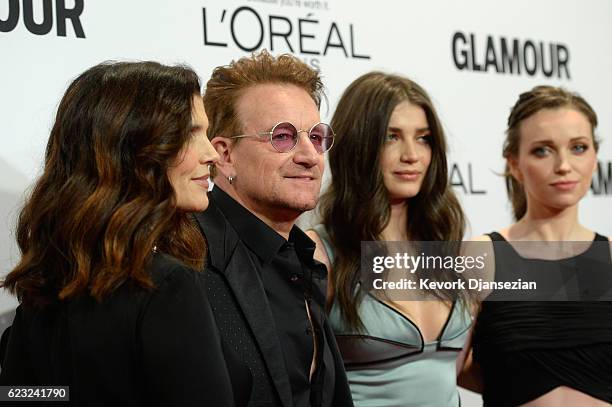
(454, 49)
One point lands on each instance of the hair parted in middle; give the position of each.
(356, 207)
(228, 82)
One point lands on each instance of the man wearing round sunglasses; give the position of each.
(265, 288)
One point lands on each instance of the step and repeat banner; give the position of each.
(473, 57)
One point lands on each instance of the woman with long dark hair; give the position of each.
(389, 182)
(110, 300)
(547, 353)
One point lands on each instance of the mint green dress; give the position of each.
(389, 364)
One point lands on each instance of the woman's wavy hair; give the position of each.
(104, 202)
(355, 207)
(528, 104)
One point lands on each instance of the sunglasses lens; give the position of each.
(322, 137)
(284, 137)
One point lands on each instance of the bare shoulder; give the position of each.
(481, 238)
(320, 253)
(480, 247)
(313, 235)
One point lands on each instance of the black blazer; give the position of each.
(135, 348)
(229, 261)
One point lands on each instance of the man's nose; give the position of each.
(305, 152)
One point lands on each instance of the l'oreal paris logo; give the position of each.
(250, 30)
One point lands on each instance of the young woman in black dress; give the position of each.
(549, 354)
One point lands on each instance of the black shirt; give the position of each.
(137, 347)
(291, 280)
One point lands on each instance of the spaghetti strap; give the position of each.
(496, 237)
(600, 238)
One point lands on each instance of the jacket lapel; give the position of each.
(230, 256)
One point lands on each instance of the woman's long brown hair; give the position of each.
(104, 201)
(355, 207)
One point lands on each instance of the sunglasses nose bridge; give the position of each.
(320, 149)
(308, 140)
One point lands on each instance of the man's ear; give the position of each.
(514, 168)
(225, 165)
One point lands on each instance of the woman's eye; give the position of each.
(541, 151)
(425, 139)
(580, 148)
(392, 137)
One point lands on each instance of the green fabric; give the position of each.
(425, 379)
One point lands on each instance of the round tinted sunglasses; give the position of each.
(284, 136)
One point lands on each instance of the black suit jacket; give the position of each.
(135, 348)
(229, 262)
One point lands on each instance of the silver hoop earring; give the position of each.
(231, 179)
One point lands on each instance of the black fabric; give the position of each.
(236, 337)
(285, 268)
(283, 282)
(135, 348)
(259, 286)
(528, 348)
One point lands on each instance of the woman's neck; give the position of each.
(398, 220)
(546, 224)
